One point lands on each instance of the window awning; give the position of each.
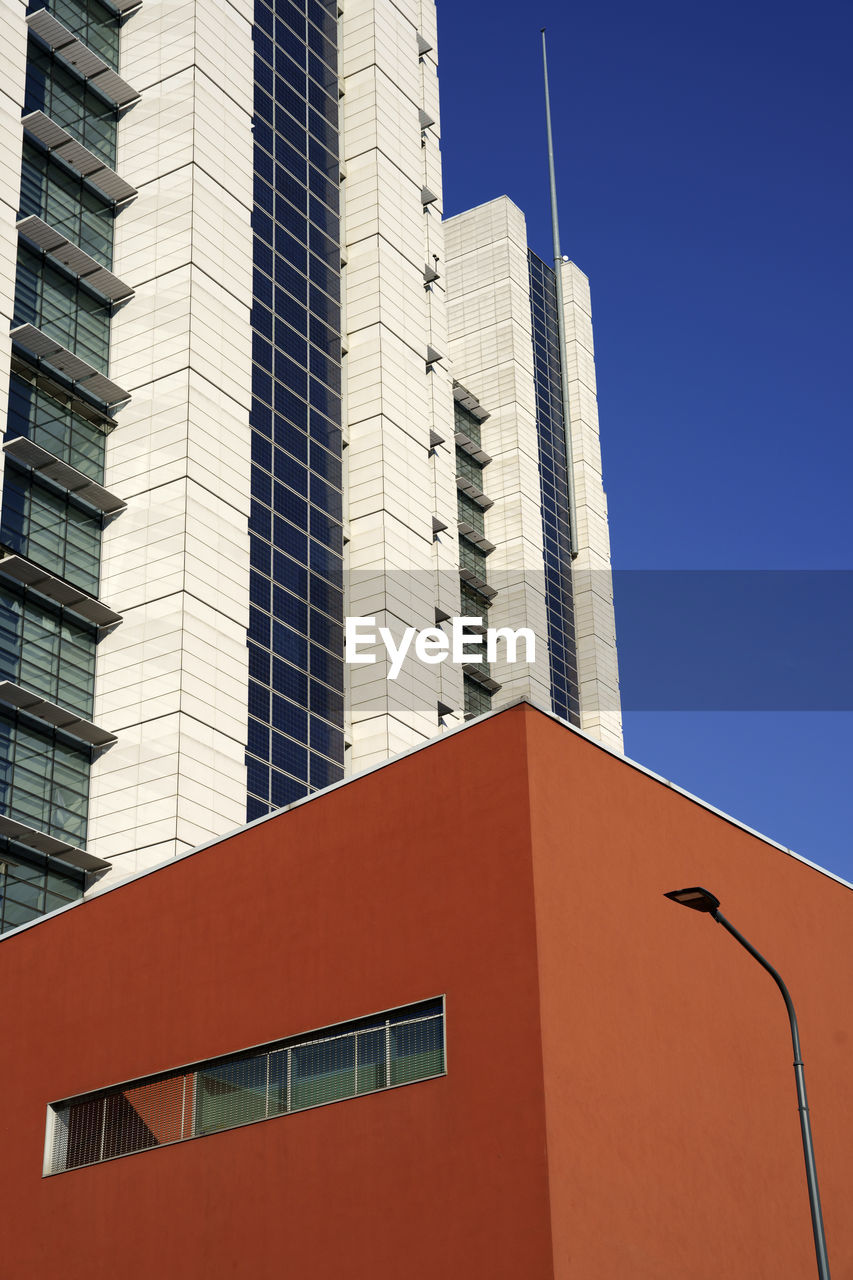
(66, 254)
(97, 414)
(476, 538)
(13, 695)
(474, 493)
(477, 584)
(61, 144)
(482, 678)
(469, 402)
(471, 447)
(82, 376)
(65, 45)
(26, 574)
(50, 846)
(32, 455)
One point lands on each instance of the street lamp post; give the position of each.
(699, 899)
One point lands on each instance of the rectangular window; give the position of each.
(56, 427)
(52, 530)
(465, 421)
(92, 23)
(44, 781)
(71, 104)
(62, 309)
(30, 886)
(477, 699)
(64, 202)
(471, 513)
(469, 469)
(372, 1054)
(48, 654)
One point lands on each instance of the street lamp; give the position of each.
(699, 899)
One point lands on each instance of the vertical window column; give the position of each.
(554, 489)
(295, 713)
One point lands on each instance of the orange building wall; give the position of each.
(619, 1099)
(673, 1135)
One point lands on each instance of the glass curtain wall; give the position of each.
(477, 697)
(555, 496)
(295, 727)
(45, 649)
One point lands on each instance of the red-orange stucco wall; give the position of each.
(407, 884)
(673, 1135)
(665, 1118)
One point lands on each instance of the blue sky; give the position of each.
(705, 187)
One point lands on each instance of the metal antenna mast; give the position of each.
(561, 320)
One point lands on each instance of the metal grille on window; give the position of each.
(396, 1048)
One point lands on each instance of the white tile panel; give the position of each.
(491, 348)
(598, 672)
(392, 401)
(13, 47)
(174, 676)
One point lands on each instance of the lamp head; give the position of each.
(697, 898)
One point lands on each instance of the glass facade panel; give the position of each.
(231, 1094)
(465, 421)
(47, 654)
(471, 557)
(416, 1049)
(555, 498)
(50, 529)
(468, 511)
(71, 104)
(44, 776)
(91, 22)
(56, 427)
(63, 201)
(469, 469)
(296, 539)
(477, 699)
(44, 782)
(322, 1072)
(29, 886)
(62, 309)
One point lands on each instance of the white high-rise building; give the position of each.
(502, 322)
(251, 392)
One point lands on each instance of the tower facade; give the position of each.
(504, 344)
(248, 398)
